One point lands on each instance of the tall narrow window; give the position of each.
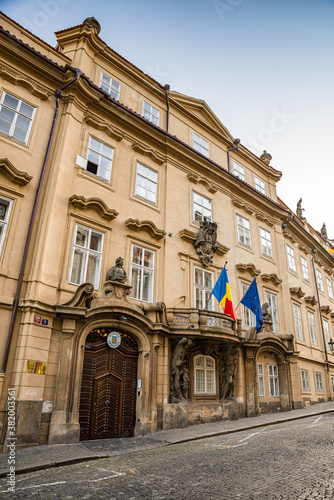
(260, 379)
(273, 381)
(110, 86)
(202, 207)
(142, 273)
(150, 113)
(86, 256)
(311, 324)
(305, 269)
(329, 288)
(272, 302)
(243, 228)
(291, 258)
(203, 288)
(200, 144)
(204, 371)
(319, 280)
(239, 171)
(266, 246)
(248, 317)
(99, 159)
(16, 117)
(326, 332)
(5, 209)
(318, 379)
(305, 380)
(146, 183)
(259, 185)
(297, 313)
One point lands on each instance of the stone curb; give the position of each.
(85, 458)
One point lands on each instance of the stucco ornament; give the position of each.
(117, 272)
(179, 372)
(206, 241)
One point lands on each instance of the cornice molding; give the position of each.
(326, 309)
(318, 262)
(95, 203)
(146, 225)
(303, 249)
(272, 277)
(7, 168)
(297, 291)
(260, 216)
(310, 299)
(248, 268)
(23, 81)
(240, 204)
(95, 122)
(147, 151)
(289, 237)
(191, 236)
(198, 179)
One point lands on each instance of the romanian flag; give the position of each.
(222, 293)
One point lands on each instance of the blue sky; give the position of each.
(265, 67)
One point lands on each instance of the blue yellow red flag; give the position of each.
(222, 292)
(251, 300)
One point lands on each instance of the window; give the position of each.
(200, 144)
(239, 171)
(291, 258)
(305, 269)
(16, 117)
(99, 159)
(110, 86)
(297, 314)
(305, 380)
(260, 379)
(272, 302)
(259, 185)
(318, 380)
(326, 332)
(332, 382)
(5, 209)
(273, 381)
(201, 207)
(248, 317)
(243, 228)
(319, 280)
(266, 247)
(142, 273)
(205, 382)
(311, 323)
(86, 256)
(203, 287)
(150, 113)
(146, 183)
(329, 288)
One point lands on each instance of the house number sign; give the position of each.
(114, 340)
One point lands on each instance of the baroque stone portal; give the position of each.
(206, 241)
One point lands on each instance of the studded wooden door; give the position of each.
(108, 388)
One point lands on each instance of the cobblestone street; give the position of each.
(291, 460)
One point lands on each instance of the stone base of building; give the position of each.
(178, 416)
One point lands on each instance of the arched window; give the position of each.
(205, 375)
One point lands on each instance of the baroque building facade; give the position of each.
(120, 202)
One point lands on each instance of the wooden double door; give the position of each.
(108, 387)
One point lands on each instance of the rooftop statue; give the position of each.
(300, 210)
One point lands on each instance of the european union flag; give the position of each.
(251, 300)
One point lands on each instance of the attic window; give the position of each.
(201, 145)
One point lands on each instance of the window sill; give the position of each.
(266, 257)
(142, 201)
(245, 247)
(81, 172)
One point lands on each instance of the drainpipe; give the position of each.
(319, 307)
(237, 144)
(58, 94)
(167, 87)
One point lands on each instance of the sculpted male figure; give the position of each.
(117, 272)
(179, 371)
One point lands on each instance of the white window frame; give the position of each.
(319, 280)
(4, 223)
(266, 245)
(271, 299)
(332, 382)
(297, 315)
(143, 272)
(259, 185)
(16, 116)
(200, 144)
(249, 317)
(206, 369)
(151, 113)
(318, 381)
(147, 181)
(109, 85)
(329, 288)
(327, 334)
(202, 207)
(312, 328)
(243, 231)
(291, 258)
(305, 380)
(201, 291)
(239, 171)
(260, 380)
(87, 252)
(102, 158)
(273, 381)
(305, 272)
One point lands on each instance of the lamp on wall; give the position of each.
(331, 345)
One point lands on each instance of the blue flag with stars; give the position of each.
(251, 300)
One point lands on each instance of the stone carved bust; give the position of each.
(265, 312)
(117, 272)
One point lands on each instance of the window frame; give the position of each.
(329, 288)
(249, 318)
(203, 290)
(258, 185)
(275, 378)
(243, 232)
(205, 369)
(305, 272)
(318, 382)
(12, 127)
(298, 322)
(110, 86)
(273, 310)
(320, 283)
(326, 333)
(201, 207)
(312, 328)
(100, 155)
(238, 171)
(4, 223)
(149, 182)
(201, 145)
(142, 268)
(264, 243)
(291, 258)
(260, 381)
(150, 113)
(305, 380)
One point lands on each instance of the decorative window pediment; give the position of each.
(150, 152)
(326, 309)
(99, 124)
(146, 225)
(272, 277)
(248, 268)
(95, 203)
(198, 179)
(20, 178)
(297, 291)
(310, 299)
